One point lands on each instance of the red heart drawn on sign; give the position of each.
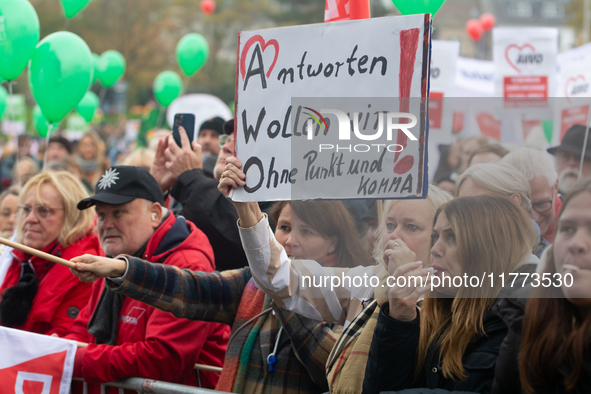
(520, 48)
(254, 39)
(568, 81)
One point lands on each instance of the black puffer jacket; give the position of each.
(506, 381)
(213, 214)
(392, 354)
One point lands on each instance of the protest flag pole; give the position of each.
(584, 144)
(38, 253)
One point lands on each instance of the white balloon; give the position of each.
(203, 106)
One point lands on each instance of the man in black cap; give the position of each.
(180, 170)
(568, 157)
(209, 135)
(126, 337)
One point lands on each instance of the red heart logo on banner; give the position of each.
(254, 39)
(568, 81)
(520, 48)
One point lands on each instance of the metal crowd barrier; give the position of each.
(149, 386)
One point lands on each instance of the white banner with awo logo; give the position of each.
(376, 58)
(574, 84)
(525, 68)
(34, 363)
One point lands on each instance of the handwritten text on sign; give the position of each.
(376, 58)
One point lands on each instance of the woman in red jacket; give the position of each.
(38, 295)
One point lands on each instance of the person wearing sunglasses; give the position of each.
(538, 169)
(38, 295)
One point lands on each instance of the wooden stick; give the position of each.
(208, 368)
(38, 253)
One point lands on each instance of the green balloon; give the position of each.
(60, 73)
(95, 61)
(19, 34)
(3, 97)
(191, 53)
(167, 86)
(111, 68)
(41, 123)
(88, 106)
(408, 7)
(73, 7)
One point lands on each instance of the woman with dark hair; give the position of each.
(452, 342)
(270, 347)
(548, 348)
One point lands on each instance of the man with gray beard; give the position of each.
(568, 158)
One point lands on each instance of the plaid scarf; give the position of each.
(233, 375)
(345, 368)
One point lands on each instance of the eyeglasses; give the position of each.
(542, 206)
(225, 138)
(41, 211)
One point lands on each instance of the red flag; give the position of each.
(344, 10)
(35, 364)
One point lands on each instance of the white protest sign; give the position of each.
(525, 66)
(474, 78)
(574, 78)
(369, 59)
(444, 55)
(475, 85)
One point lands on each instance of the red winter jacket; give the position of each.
(152, 343)
(60, 295)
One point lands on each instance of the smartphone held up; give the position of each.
(187, 121)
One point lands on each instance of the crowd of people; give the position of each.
(170, 273)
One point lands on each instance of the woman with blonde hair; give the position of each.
(90, 156)
(38, 295)
(8, 205)
(452, 343)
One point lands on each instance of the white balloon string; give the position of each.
(49, 130)
(584, 145)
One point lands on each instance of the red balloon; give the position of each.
(487, 21)
(207, 6)
(474, 29)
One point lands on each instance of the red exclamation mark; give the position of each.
(409, 42)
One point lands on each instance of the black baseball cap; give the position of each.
(216, 124)
(122, 184)
(573, 141)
